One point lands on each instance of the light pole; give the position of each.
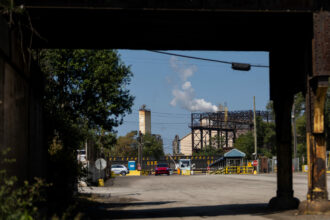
(255, 127)
(140, 151)
(294, 136)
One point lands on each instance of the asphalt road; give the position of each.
(193, 197)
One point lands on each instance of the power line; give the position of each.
(166, 113)
(205, 59)
(159, 122)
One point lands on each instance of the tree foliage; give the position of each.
(87, 85)
(265, 140)
(18, 201)
(126, 146)
(152, 146)
(85, 96)
(209, 151)
(245, 143)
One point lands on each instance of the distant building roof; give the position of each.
(234, 153)
(185, 136)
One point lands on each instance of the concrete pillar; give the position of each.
(283, 85)
(284, 196)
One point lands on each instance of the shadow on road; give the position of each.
(103, 212)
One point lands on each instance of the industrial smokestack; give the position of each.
(144, 120)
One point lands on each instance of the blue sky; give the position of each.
(172, 87)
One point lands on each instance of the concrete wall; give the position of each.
(20, 109)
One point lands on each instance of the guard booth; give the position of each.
(234, 158)
(185, 166)
(232, 162)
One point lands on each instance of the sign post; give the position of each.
(100, 164)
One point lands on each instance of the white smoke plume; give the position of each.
(185, 96)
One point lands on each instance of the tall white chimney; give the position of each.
(144, 120)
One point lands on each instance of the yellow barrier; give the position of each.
(101, 182)
(185, 172)
(238, 170)
(134, 173)
(304, 168)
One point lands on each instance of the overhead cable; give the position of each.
(206, 59)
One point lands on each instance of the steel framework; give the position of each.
(223, 123)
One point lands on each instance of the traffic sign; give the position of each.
(100, 164)
(255, 163)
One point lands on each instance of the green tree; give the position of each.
(245, 143)
(103, 141)
(270, 139)
(152, 146)
(209, 151)
(301, 136)
(87, 85)
(270, 108)
(125, 146)
(85, 92)
(265, 140)
(299, 104)
(300, 118)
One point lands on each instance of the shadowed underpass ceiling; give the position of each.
(181, 24)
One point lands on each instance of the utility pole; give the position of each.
(140, 151)
(255, 127)
(294, 135)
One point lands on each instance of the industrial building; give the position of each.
(145, 123)
(144, 120)
(217, 129)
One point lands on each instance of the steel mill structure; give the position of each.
(220, 125)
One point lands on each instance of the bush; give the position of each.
(19, 201)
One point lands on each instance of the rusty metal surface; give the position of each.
(321, 44)
(316, 145)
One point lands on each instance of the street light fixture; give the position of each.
(241, 66)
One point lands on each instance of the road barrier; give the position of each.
(239, 170)
(234, 170)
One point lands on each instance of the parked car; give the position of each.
(162, 168)
(119, 169)
(81, 156)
